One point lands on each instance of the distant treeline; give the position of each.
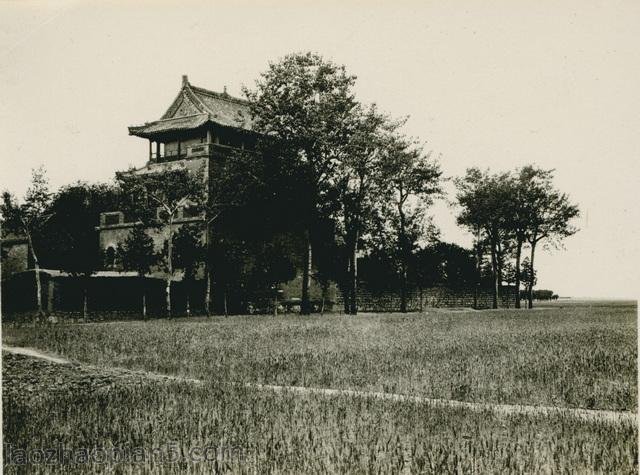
(542, 295)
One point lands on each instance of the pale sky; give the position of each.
(489, 84)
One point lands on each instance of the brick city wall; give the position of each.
(105, 294)
(430, 298)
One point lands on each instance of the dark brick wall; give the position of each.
(105, 294)
(430, 298)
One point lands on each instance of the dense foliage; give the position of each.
(333, 190)
(507, 210)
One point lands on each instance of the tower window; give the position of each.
(110, 257)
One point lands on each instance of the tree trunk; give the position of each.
(36, 266)
(38, 288)
(518, 255)
(84, 300)
(207, 273)
(143, 291)
(305, 305)
(403, 291)
(353, 309)
(496, 276)
(404, 261)
(169, 266)
(207, 292)
(344, 289)
(275, 303)
(50, 290)
(167, 291)
(531, 275)
(224, 301)
(188, 304)
(476, 291)
(499, 263)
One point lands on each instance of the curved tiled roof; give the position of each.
(195, 106)
(168, 125)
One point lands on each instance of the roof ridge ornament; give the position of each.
(192, 107)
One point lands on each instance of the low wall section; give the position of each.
(431, 298)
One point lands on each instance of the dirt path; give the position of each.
(34, 354)
(605, 416)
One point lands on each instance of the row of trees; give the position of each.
(360, 178)
(60, 231)
(508, 212)
(334, 184)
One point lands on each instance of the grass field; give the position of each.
(568, 355)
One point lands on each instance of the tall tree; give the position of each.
(273, 265)
(528, 189)
(71, 235)
(189, 254)
(231, 257)
(28, 218)
(360, 186)
(412, 181)
(528, 277)
(243, 197)
(303, 104)
(484, 200)
(550, 220)
(157, 198)
(137, 253)
(254, 208)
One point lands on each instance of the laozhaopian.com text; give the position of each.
(168, 453)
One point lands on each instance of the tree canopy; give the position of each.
(333, 187)
(507, 210)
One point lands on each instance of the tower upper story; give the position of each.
(198, 123)
(200, 127)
